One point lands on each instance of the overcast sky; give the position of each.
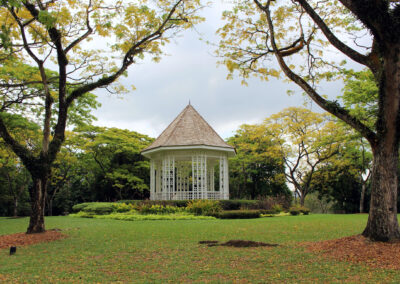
(190, 72)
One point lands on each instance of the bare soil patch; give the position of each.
(238, 244)
(23, 239)
(358, 249)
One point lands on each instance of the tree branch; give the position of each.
(353, 54)
(332, 107)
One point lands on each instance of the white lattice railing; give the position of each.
(187, 195)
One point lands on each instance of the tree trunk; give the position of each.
(302, 198)
(362, 198)
(37, 195)
(382, 222)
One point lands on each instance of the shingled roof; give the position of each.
(188, 129)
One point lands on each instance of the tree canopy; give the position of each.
(49, 66)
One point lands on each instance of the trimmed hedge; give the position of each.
(296, 210)
(239, 214)
(177, 203)
(99, 208)
(80, 206)
(225, 204)
(204, 207)
(237, 204)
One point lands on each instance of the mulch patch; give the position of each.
(238, 244)
(23, 239)
(358, 249)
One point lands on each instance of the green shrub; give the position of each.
(123, 207)
(82, 215)
(99, 208)
(236, 204)
(159, 209)
(294, 211)
(131, 216)
(204, 207)
(268, 211)
(176, 203)
(80, 206)
(239, 214)
(277, 208)
(304, 210)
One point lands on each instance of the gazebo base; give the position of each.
(188, 195)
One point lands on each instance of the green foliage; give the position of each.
(239, 214)
(131, 216)
(236, 204)
(80, 206)
(204, 207)
(268, 211)
(176, 203)
(123, 207)
(304, 210)
(253, 172)
(294, 211)
(339, 183)
(111, 163)
(159, 209)
(318, 204)
(360, 95)
(97, 208)
(277, 208)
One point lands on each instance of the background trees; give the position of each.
(304, 140)
(253, 172)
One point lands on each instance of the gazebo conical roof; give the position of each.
(188, 129)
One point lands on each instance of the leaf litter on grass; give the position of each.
(23, 239)
(360, 250)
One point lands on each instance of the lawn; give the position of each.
(98, 250)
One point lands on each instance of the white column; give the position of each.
(194, 177)
(223, 178)
(158, 188)
(210, 180)
(226, 179)
(152, 180)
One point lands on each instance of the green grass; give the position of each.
(101, 250)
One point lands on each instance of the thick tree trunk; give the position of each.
(382, 222)
(302, 198)
(38, 196)
(362, 198)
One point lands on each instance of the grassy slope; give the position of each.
(158, 251)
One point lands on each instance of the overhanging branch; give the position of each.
(332, 107)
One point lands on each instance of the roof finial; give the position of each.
(189, 101)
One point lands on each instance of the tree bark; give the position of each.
(302, 198)
(382, 222)
(37, 195)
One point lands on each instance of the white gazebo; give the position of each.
(186, 159)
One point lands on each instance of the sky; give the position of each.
(190, 73)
